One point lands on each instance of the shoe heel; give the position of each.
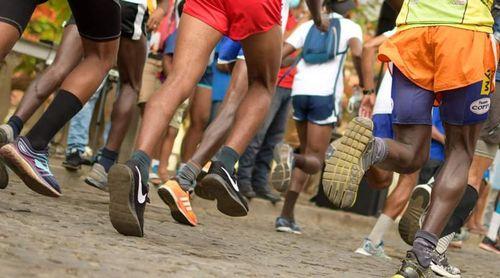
(226, 203)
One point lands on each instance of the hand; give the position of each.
(322, 24)
(367, 104)
(155, 19)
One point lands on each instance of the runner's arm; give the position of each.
(288, 49)
(157, 16)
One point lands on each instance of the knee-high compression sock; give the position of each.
(462, 211)
(228, 157)
(64, 106)
(108, 158)
(443, 243)
(384, 222)
(16, 124)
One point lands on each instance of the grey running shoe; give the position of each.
(98, 177)
(370, 249)
(440, 266)
(412, 219)
(410, 268)
(282, 171)
(6, 136)
(286, 225)
(345, 169)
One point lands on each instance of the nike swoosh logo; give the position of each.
(141, 198)
(233, 183)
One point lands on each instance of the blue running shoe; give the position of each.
(31, 166)
(286, 225)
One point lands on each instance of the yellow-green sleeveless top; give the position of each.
(466, 14)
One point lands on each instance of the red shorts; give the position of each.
(236, 19)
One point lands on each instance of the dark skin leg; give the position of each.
(379, 178)
(314, 140)
(263, 55)
(217, 131)
(68, 55)
(452, 179)
(131, 60)
(8, 39)
(199, 113)
(195, 42)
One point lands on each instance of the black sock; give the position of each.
(289, 205)
(462, 211)
(228, 157)
(423, 246)
(108, 158)
(143, 161)
(60, 111)
(17, 125)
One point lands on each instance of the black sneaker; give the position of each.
(410, 268)
(128, 194)
(247, 191)
(219, 185)
(266, 194)
(73, 161)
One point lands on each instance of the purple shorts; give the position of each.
(413, 104)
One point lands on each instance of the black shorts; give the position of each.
(134, 18)
(97, 20)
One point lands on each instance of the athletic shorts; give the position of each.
(97, 20)
(383, 126)
(134, 18)
(238, 19)
(229, 51)
(170, 44)
(413, 104)
(485, 149)
(206, 80)
(318, 110)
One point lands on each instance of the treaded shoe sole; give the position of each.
(4, 176)
(23, 170)
(227, 202)
(71, 167)
(410, 221)
(203, 193)
(94, 183)
(170, 200)
(344, 170)
(122, 211)
(280, 177)
(442, 272)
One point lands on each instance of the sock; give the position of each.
(17, 125)
(187, 175)
(228, 157)
(494, 225)
(423, 246)
(64, 106)
(380, 151)
(443, 243)
(143, 161)
(289, 204)
(108, 158)
(462, 211)
(384, 222)
(155, 163)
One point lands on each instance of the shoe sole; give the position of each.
(4, 176)
(169, 198)
(96, 184)
(287, 230)
(202, 192)
(280, 177)
(343, 171)
(121, 211)
(410, 221)
(227, 203)
(23, 170)
(488, 248)
(70, 167)
(442, 272)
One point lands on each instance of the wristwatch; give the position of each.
(368, 92)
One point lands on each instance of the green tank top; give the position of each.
(465, 14)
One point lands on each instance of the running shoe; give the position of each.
(219, 185)
(345, 169)
(6, 136)
(412, 219)
(441, 267)
(179, 202)
(247, 191)
(370, 249)
(410, 268)
(281, 173)
(73, 161)
(265, 193)
(31, 166)
(286, 225)
(489, 245)
(4, 176)
(97, 177)
(128, 195)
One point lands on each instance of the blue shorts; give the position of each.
(229, 51)
(206, 80)
(383, 126)
(318, 110)
(413, 104)
(170, 44)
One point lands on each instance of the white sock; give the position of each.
(155, 162)
(494, 225)
(384, 222)
(443, 243)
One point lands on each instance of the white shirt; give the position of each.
(383, 103)
(327, 78)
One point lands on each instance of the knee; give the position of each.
(266, 83)
(413, 165)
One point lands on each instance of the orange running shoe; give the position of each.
(179, 202)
